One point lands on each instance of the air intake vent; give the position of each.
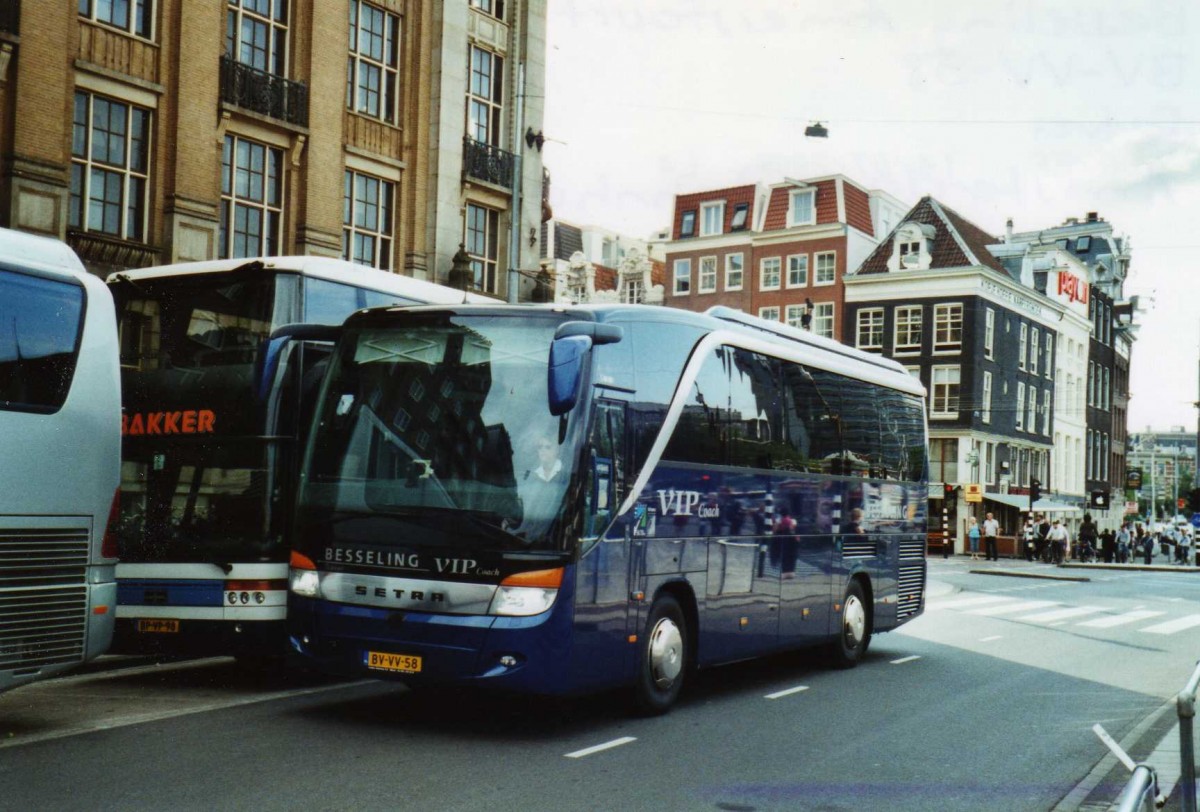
(43, 597)
(857, 547)
(911, 583)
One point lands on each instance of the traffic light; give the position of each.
(949, 490)
(1035, 490)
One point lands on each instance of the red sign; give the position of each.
(188, 421)
(1071, 286)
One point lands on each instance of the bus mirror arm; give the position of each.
(598, 333)
(272, 349)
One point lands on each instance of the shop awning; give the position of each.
(1021, 502)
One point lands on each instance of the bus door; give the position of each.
(805, 512)
(603, 614)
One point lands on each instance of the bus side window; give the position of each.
(606, 467)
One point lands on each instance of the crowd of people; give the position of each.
(1051, 541)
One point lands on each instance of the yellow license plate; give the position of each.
(385, 661)
(158, 626)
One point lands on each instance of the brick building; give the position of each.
(779, 251)
(159, 131)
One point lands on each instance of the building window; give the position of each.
(740, 212)
(483, 246)
(687, 224)
(908, 328)
(870, 329)
(945, 380)
(251, 199)
(1031, 417)
(634, 291)
(769, 313)
(110, 167)
(768, 273)
(989, 333)
(712, 219)
(943, 460)
(985, 411)
(801, 211)
(683, 277)
(493, 8)
(1023, 352)
(822, 319)
(485, 96)
(256, 34)
(708, 274)
(1107, 389)
(797, 271)
(373, 66)
(826, 268)
(1035, 354)
(1049, 355)
(795, 316)
(367, 220)
(1020, 407)
(947, 327)
(733, 272)
(989, 467)
(132, 16)
(1046, 412)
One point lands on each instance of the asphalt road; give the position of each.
(985, 703)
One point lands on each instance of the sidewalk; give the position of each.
(1067, 571)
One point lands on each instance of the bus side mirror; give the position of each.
(271, 350)
(564, 372)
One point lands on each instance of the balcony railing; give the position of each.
(10, 16)
(487, 163)
(262, 92)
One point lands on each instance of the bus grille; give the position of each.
(857, 547)
(911, 584)
(43, 597)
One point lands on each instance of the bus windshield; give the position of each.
(195, 478)
(440, 422)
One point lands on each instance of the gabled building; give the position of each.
(779, 252)
(984, 343)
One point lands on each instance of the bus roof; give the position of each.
(39, 253)
(717, 318)
(327, 268)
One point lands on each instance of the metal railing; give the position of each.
(264, 93)
(488, 163)
(1141, 793)
(1185, 706)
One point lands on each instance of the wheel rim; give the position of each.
(854, 622)
(666, 653)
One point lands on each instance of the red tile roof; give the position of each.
(957, 242)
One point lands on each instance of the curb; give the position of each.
(1131, 567)
(1027, 574)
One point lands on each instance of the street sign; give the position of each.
(974, 493)
(1196, 520)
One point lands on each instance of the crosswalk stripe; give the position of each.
(1062, 614)
(1172, 626)
(977, 600)
(1012, 608)
(1120, 620)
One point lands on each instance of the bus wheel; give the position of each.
(663, 658)
(854, 634)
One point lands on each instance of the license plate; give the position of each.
(158, 626)
(385, 661)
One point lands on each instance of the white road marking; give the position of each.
(1013, 608)
(907, 659)
(787, 692)
(990, 639)
(977, 600)
(1120, 620)
(587, 751)
(1062, 614)
(1172, 626)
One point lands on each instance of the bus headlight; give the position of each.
(305, 583)
(522, 601)
(526, 593)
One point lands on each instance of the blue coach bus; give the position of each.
(563, 500)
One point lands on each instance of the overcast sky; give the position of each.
(1036, 110)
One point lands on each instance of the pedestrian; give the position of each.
(1028, 532)
(1043, 531)
(1122, 539)
(991, 530)
(1147, 548)
(1058, 542)
(1108, 545)
(1087, 538)
(973, 538)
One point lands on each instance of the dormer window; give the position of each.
(687, 224)
(911, 247)
(1082, 245)
(712, 219)
(740, 212)
(802, 210)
